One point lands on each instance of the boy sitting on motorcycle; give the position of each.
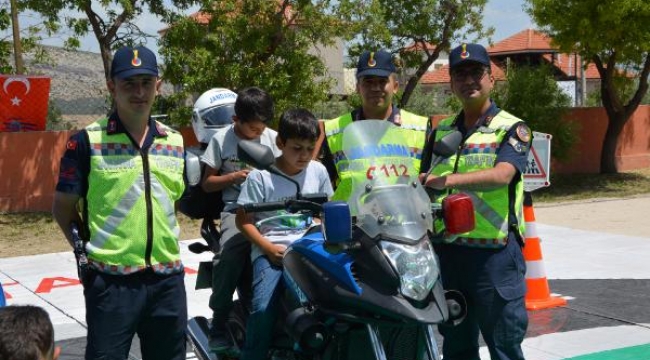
(269, 233)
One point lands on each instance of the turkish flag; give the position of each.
(23, 102)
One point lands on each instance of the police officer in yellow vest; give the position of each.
(376, 84)
(128, 170)
(486, 264)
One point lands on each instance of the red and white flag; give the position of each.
(23, 102)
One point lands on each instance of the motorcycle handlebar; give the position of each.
(270, 206)
(291, 206)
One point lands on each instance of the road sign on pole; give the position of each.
(538, 169)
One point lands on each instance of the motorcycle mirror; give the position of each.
(255, 154)
(458, 214)
(444, 148)
(261, 157)
(448, 145)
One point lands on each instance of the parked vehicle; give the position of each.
(366, 284)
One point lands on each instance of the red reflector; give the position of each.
(458, 213)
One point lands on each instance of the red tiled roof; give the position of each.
(201, 17)
(418, 46)
(441, 75)
(525, 41)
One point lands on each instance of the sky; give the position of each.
(506, 16)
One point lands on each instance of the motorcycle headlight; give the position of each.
(416, 266)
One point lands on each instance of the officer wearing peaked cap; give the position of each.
(128, 169)
(376, 85)
(485, 264)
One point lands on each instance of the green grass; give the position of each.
(590, 186)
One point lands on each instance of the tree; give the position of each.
(29, 39)
(112, 30)
(417, 30)
(235, 44)
(532, 94)
(429, 101)
(613, 35)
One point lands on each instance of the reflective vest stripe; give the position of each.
(167, 206)
(488, 213)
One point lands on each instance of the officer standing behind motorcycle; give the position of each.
(487, 263)
(376, 85)
(128, 170)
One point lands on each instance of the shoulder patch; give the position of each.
(523, 133)
(518, 145)
(71, 145)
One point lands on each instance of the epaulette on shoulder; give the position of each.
(506, 115)
(166, 129)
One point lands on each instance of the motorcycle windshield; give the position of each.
(386, 197)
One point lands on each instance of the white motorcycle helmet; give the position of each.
(212, 110)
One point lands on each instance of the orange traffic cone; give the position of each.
(538, 294)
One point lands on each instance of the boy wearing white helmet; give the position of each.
(224, 172)
(212, 111)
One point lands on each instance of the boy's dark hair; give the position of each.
(26, 333)
(253, 104)
(298, 124)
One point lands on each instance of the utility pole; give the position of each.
(18, 50)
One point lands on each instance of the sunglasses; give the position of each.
(475, 73)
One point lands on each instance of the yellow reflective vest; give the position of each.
(130, 202)
(415, 127)
(491, 207)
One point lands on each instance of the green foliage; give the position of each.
(429, 102)
(29, 40)
(5, 45)
(178, 109)
(54, 119)
(628, 86)
(400, 25)
(454, 104)
(594, 99)
(252, 43)
(331, 108)
(612, 34)
(111, 21)
(533, 95)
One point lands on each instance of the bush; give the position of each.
(54, 120)
(428, 102)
